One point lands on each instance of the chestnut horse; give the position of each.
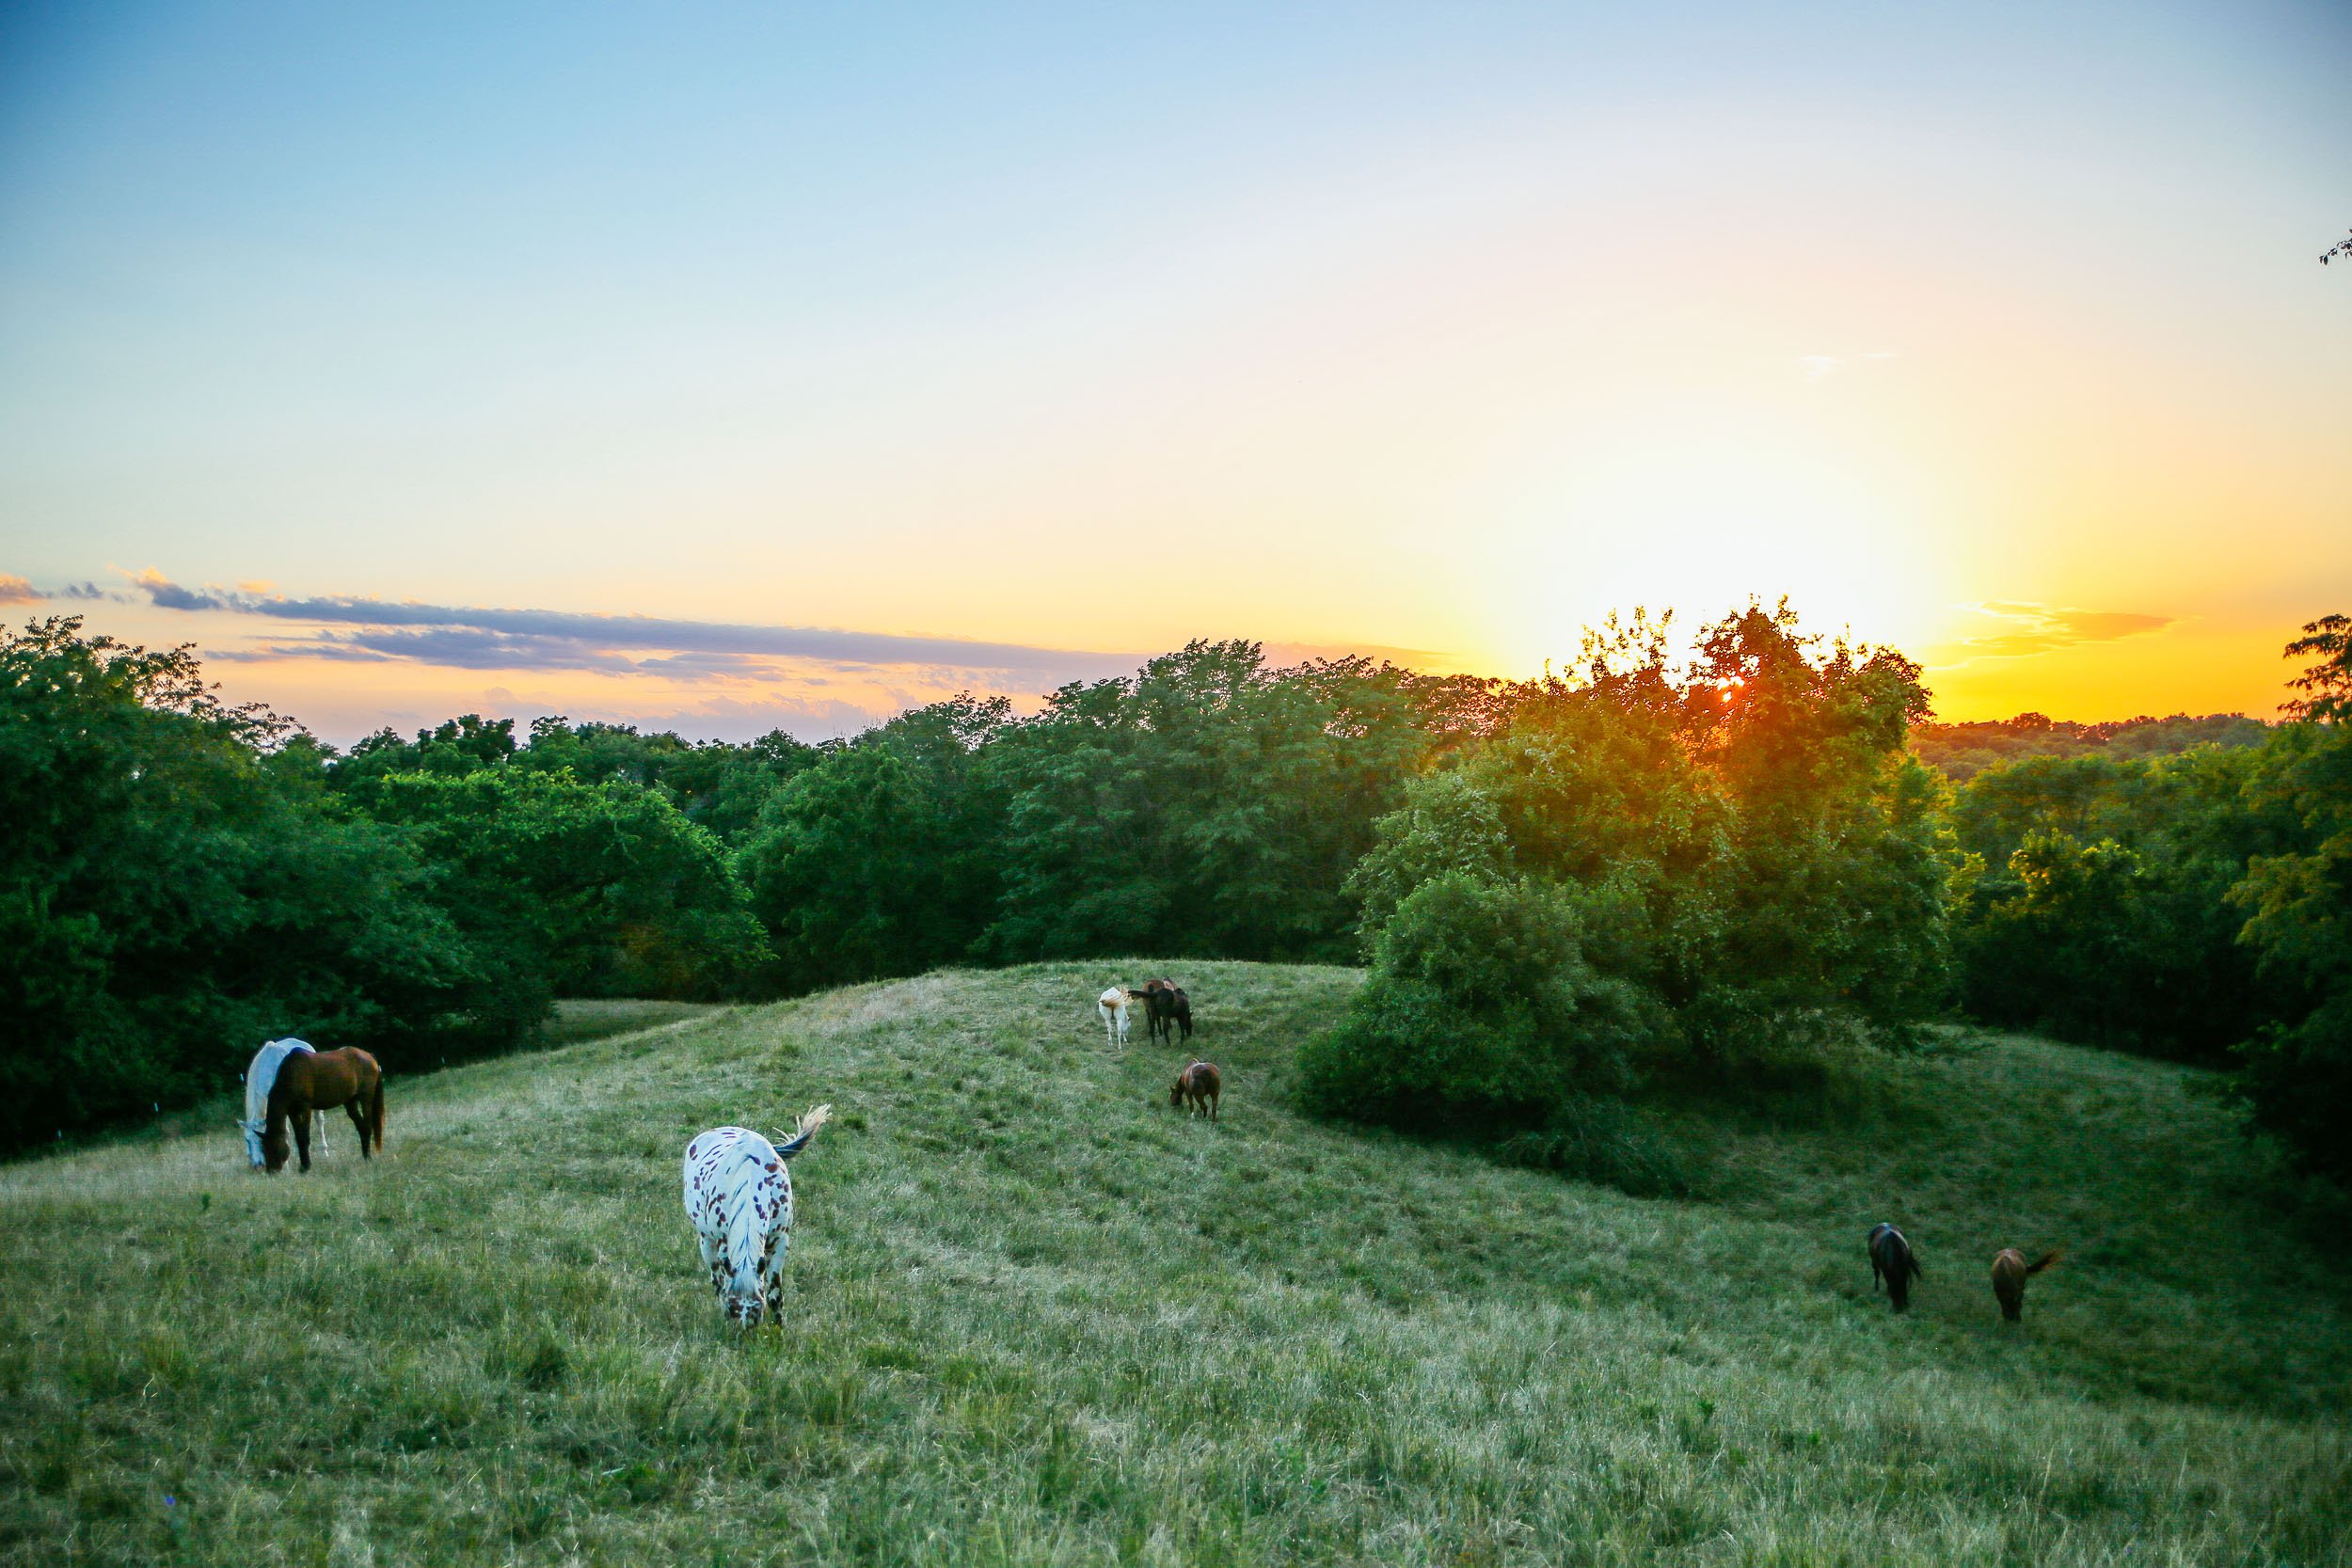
(1199, 1087)
(2010, 1270)
(320, 1081)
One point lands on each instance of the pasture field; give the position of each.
(1035, 1317)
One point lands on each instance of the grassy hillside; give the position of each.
(1036, 1316)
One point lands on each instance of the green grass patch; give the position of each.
(1036, 1316)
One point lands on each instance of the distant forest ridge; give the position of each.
(1961, 750)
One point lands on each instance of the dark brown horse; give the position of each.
(2010, 1270)
(1199, 1087)
(1891, 1259)
(1166, 1008)
(320, 1081)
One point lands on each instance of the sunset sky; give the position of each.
(732, 368)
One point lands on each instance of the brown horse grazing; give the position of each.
(321, 1081)
(2010, 1270)
(1198, 1086)
(1891, 1259)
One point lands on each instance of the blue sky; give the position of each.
(1073, 333)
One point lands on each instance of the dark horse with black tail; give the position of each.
(321, 1081)
(1166, 1009)
(1891, 1259)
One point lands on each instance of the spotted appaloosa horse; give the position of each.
(2010, 1270)
(311, 1080)
(1197, 1086)
(1891, 1259)
(739, 1196)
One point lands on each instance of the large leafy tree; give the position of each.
(173, 891)
(2298, 1072)
(882, 859)
(2094, 904)
(1731, 857)
(1211, 805)
(601, 890)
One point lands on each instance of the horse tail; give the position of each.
(376, 1111)
(806, 1130)
(2045, 1260)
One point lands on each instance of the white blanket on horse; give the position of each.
(258, 1081)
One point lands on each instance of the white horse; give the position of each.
(1112, 1004)
(739, 1196)
(258, 1077)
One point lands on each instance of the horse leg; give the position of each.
(771, 1277)
(301, 1120)
(715, 1261)
(356, 1110)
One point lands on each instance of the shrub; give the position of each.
(1481, 1006)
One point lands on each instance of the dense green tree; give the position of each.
(606, 890)
(1211, 806)
(2097, 907)
(173, 893)
(874, 862)
(454, 748)
(2297, 1070)
(1731, 860)
(1481, 1000)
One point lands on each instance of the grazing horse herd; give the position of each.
(1893, 1261)
(738, 1194)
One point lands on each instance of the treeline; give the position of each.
(1962, 750)
(1563, 888)
(183, 880)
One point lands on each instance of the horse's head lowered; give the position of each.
(742, 1298)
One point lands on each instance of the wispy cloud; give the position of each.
(2030, 628)
(483, 638)
(17, 590)
(168, 594)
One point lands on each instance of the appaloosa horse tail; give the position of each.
(804, 1128)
